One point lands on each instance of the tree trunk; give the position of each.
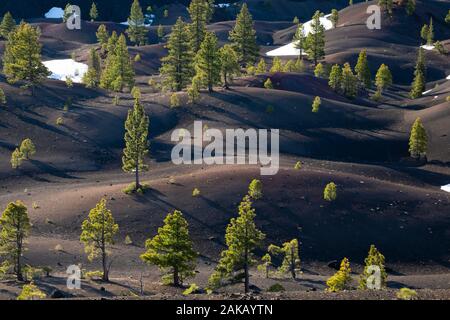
(247, 280)
(176, 277)
(225, 81)
(137, 178)
(19, 264)
(105, 267)
(293, 263)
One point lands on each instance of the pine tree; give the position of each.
(118, 72)
(363, 71)
(16, 158)
(93, 13)
(112, 43)
(160, 32)
(424, 32)
(418, 140)
(97, 233)
(447, 17)
(430, 34)
(268, 84)
(229, 64)
(102, 36)
(31, 292)
(316, 104)
(242, 238)
(291, 259)
(383, 79)
(27, 149)
(15, 227)
(136, 142)
(91, 78)
(243, 37)
(334, 17)
(386, 5)
(177, 65)
(341, 279)
(277, 65)
(418, 85)
(137, 32)
(319, 71)
(349, 81)
(172, 249)
(315, 41)
(261, 68)
(22, 57)
(295, 20)
(7, 26)
(410, 7)
(330, 192)
(335, 79)
(198, 11)
(374, 258)
(194, 91)
(207, 62)
(266, 263)
(300, 40)
(255, 189)
(67, 12)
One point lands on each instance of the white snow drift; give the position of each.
(427, 47)
(446, 188)
(66, 68)
(55, 13)
(289, 49)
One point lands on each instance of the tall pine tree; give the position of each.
(349, 81)
(243, 37)
(22, 57)
(207, 62)
(335, 78)
(300, 40)
(136, 142)
(172, 249)
(418, 85)
(242, 238)
(91, 78)
(198, 11)
(418, 140)
(137, 32)
(93, 13)
(315, 41)
(177, 65)
(7, 26)
(383, 79)
(229, 64)
(363, 71)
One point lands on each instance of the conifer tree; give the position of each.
(335, 79)
(242, 238)
(349, 81)
(291, 259)
(194, 91)
(374, 258)
(137, 32)
(277, 65)
(97, 233)
(315, 41)
(118, 72)
(330, 192)
(295, 20)
(430, 34)
(316, 104)
(112, 43)
(447, 17)
(93, 13)
(300, 40)
(363, 71)
(424, 32)
(268, 84)
(319, 71)
(266, 263)
(14, 229)
(334, 17)
(418, 140)
(341, 279)
(261, 68)
(243, 37)
(386, 5)
(91, 78)
(136, 142)
(68, 12)
(172, 250)
(2, 97)
(27, 149)
(16, 158)
(177, 65)
(7, 25)
(410, 7)
(198, 11)
(207, 62)
(229, 64)
(160, 32)
(102, 36)
(255, 189)
(22, 57)
(418, 85)
(383, 79)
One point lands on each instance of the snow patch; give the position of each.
(428, 91)
(427, 47)
(446, 188)
(448, 78)
(66, 68)
(149, 18)
(289, 49)
(55, 13)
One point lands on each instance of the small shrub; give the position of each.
(16, 158)
(128, 240)
(131, 188)
(59, 248)
(137, 58)
(27, 149)
(330, 193)
(316, 104)
(2, 97)
(195, 192)
(406, 294)
(341, 279)
(67, 104)
(59, 121)
(31, 292)
(35, 206)
(298, 165)
(277, 287)
(268, 84)
(447, 99)
(255, 189)
(193, 288)
(174, 100)
(69, 82)
(93, 274)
